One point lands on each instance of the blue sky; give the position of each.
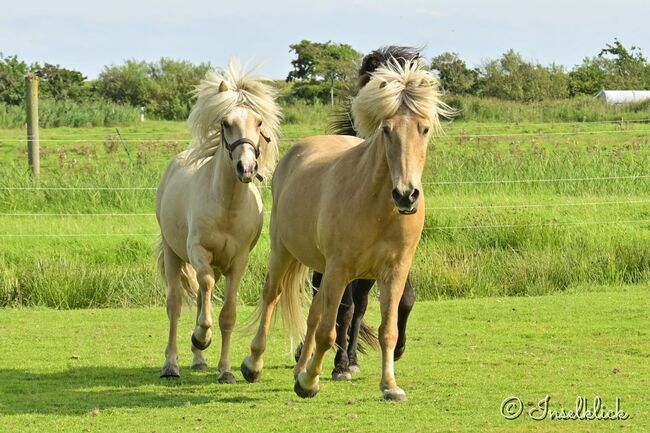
(87, 35)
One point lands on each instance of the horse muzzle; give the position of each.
(247, 172)
(406, 201)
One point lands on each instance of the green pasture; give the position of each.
(96, 370)
(512, 209)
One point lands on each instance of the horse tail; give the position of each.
(188, 274)
(368, 337)
(293, 300)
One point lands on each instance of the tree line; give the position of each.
(320, 69)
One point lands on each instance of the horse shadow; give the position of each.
(81, 390)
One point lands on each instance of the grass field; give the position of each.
(512, 209)
(97, 370)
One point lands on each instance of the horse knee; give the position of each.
(325, 336)
(387, 336)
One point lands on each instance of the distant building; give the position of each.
(613, 97)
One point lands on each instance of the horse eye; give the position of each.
(386, 130)
(225, 124)
(259, 125)
(425, 131)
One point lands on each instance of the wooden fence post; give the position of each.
(31, 104)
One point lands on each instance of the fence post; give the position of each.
(31, 104)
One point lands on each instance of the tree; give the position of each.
(60, 83)
(615, 67)
(12, 80)
(319, 67)
(454, 74)
(165, 88)
(511, 77)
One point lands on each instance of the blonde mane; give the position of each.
(245, 90)
(393, 86)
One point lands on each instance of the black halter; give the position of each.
(230, 147)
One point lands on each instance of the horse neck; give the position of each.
(224, 183)
(374, 164)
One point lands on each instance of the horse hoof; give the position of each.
(396, 394)
(354, 368)
(169, 370)
(201, 346)
(200, 366)
(226, 377)
(250, 375)
(341, 375)
(304, 393)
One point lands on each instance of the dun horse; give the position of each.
(349, 321)
(350, 208)
(209, 211)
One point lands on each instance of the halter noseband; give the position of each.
(230, 147)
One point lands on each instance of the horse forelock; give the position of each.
(212, 105)
(393, 86)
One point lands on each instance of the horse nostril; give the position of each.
(413, 197)
(256, 167)
(240, 167)
(396, 195)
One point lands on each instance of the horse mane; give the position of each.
(392, 86)
(342, 121)
(244, 89)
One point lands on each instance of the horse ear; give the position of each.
(223, 87)
(383, 84)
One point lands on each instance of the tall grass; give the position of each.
(54, 114)
(579, 109)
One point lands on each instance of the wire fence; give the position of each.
(131, 137)
(186, 138)
(265, 232)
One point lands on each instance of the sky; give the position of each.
(87, 35)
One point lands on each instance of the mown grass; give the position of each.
(97, 370)
(508, 238)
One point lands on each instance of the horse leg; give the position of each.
(405, 306)
(173, 266)
(316, 278)
(228, 316)
(199, 362)
(390, 292)
(323, 329)
(201, 260)
(279, 263)
(343, 318)
(360, 290)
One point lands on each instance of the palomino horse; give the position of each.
(209, 211)
(350, 208)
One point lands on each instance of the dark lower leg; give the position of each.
(404, 310)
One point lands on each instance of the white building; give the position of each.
(613, 97)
